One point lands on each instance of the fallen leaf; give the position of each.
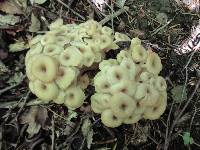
(35, 24)
(3, 68)
(87, 132)
(120, 3)
(36, 118)
(10, 7)
(18, 46)
(178, 94)
(9, 19)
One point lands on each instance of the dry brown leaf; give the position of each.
(10, 7)
(36, 117)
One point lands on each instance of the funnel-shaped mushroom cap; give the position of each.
(105, 42)
(145, 76)
(117, 74)
(109, 119)
(60, 98)
(122, 55)
(35, 40)
(130, 66)
(52, 49)
(100, 102)
(48, 39)
(101, 83)
(121, 37)
(31, 86)
(134, 42)
(155, 112)
(74, 97)
(153, 63)
(161, 84)
(108, 62)
(36, 49)
(71, 56)
(45, 91)
(134, 118)
(122, 105)
(127, 87)
(106, 30)
(65, 76)
(29, 63)
(45, 68)
(151, 96)
(139, 54)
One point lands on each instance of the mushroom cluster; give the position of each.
(55, 60)
(129, 88)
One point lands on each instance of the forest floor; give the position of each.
(163, 26)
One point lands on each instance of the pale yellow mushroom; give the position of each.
(31, 86)
(134, 118)
(101, 84)
(44, 68)
(105, 42)
(151, 97)
(135, 41)
(153, 63)
(62, 41)
(36, 49)
(122, 105)
(35, 40)
(28, 63)
(139, 54)
(161, 84)
(155, 112)
(65, 76)
(71, 56)
(109, 119)
(131, 67)
(74, 97)
(125, 86)
(106, 30)
(117, 74)
(88, 58)
(56, 24)
(60, 98)
(47, 39)
(141, 91)
(52, 49)
(45, 91)
(122, 55)
(109, 62)
(145, 76)
(121, 37)
(83, 81)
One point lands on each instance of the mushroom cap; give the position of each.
(131, 67)
(161, 84)
(36, 49)
(60, 98)
(45, 91)
(122, 55)
(109, 119)
(122, 105)
(155, 112)
(52, 49)
(134, 118)
(28, 63)
(65, 76)
(139, 54)
(135, 41)
(45, 68)
(126, 86)
(47, 39)
(35, 40)
(56, 24)
(117, 74)
(74, 97)
(121, 37)
(108, 62)
(101, 83)
(106, 30)
(153, 63)
(71, 56)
